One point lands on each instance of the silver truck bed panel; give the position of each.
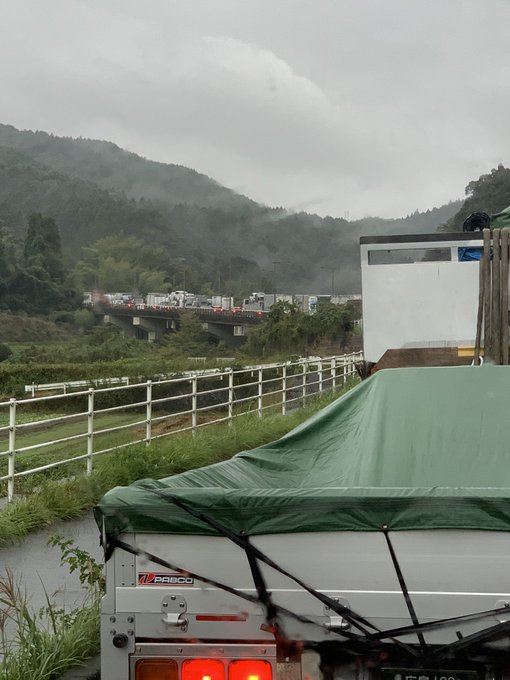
(448, 573)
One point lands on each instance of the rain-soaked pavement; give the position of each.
(37, 565)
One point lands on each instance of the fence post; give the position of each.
(33, 390)
(303, 383)
(333, 373)
(284, 389)
(148, 417)
(319, 371)
(90, 430)
(12, 449)
(230, 396)
(259, 394)
(344, 359)
(194, 386)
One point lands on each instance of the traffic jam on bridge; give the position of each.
(257, 305)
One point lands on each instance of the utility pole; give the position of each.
(332, 270)
(230, 277)
(274, 277)
(183, 262)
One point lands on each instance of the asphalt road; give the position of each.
(37, 565)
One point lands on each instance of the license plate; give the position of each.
(426, 674)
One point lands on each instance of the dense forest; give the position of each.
(33, 277)
(128, 222)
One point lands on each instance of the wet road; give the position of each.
(38, 567)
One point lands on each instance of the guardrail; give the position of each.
(147, 411)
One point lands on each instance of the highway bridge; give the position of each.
(152, 322)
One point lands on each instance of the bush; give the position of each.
(85, 318)
(62, 317)
(5, 351)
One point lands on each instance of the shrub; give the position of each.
(5, 351)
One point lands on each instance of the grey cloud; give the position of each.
(375, 106)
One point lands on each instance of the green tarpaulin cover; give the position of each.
(411, 448)
(501, 219)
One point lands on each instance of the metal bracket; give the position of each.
(173, 607)
(336, 621)
(503, 617)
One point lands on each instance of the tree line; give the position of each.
(33, 277)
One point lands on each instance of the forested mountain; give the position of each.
(83, 211)
(113, 168)
(95, 190)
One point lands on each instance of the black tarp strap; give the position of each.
(354, 619)
(487, 635)
(436, 625)
(133, 550)
(403, 587)
(351, 617)
(262, 591)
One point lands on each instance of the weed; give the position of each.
(90, 572)
(45, 644)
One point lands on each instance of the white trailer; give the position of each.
(417, 293)
(157, 299)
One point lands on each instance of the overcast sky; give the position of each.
(331, 106)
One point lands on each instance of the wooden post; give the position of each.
(496, 300)
(505, 239)
(487, 293)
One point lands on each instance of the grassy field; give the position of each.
(44, 455)
(133, 430)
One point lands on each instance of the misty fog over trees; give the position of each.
(187, 227)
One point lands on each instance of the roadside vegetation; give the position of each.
(97, 352)
(43, 645)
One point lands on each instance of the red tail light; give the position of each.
(202, 669)
(156, 669)
(249, 669)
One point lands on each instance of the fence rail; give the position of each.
(37, 431)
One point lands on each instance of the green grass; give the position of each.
(45, 644)
(64, 450)
(69, 498)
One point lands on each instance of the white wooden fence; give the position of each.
(32, 431)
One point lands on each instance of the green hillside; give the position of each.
(111, 167)
(96, 190)
(83, 211)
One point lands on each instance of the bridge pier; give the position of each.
(232, 335)
(151, 324)
(155, 328)
(124, 323)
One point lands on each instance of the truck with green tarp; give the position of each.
(375, 536)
